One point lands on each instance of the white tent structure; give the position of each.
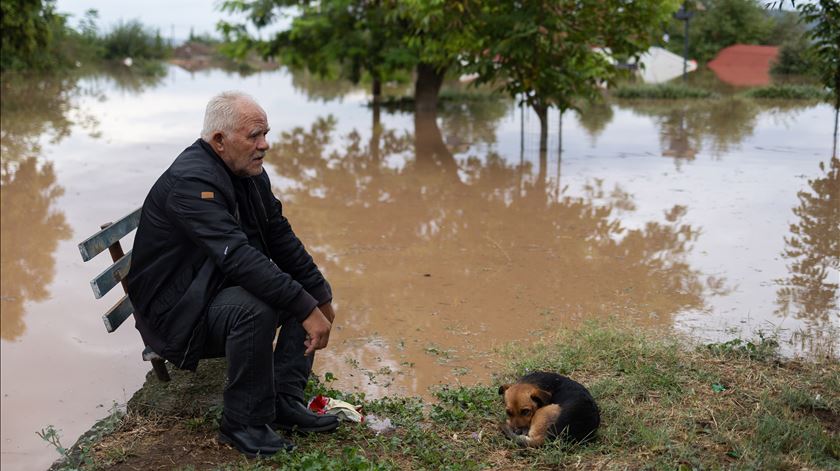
(658, 65)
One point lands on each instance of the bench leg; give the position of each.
(159, 366)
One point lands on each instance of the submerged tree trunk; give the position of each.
(375, 134)
(836, 113)
(431, 152)
(427, 87)
(542, 113)
(376, 90)
(559, 154)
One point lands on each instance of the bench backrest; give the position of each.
(109, 238)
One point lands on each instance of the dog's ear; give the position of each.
(540, 397)
(503, 388)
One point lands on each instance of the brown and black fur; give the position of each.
(543, 406)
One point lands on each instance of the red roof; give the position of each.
(743, 64)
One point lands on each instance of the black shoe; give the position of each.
(293, 416)
(252, 440)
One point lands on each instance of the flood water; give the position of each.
(444, 239)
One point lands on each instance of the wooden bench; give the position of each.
(109, 238)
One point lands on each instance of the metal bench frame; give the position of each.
(109, 238)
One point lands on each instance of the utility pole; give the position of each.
(685, 16)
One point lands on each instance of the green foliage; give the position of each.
(463, 408)
(350, 459)
(795, 58)
(664, 91)
(81, 455)
(360, 37)
(544, 52)
(788, 92)
(825, 15)
(36, 38)
(762, 349)
(29, 30)
(132, 39)
(719, 24)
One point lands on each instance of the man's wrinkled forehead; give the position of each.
(251, 116)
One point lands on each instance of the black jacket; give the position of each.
(190, 242)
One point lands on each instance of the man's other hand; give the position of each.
(318, 331)
(327, 309)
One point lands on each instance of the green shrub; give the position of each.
(134, 40)
(788, 92)
(795, 58)
(663, 91)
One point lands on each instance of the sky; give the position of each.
(174, 18)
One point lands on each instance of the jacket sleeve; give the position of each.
(197, 207)
(290, 254)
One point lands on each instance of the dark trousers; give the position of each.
(241, 327)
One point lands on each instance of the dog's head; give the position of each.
(521, 402)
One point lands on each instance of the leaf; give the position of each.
(717, 387)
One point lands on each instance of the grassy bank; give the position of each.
(666, 404)
(662, 91)
(670, 91)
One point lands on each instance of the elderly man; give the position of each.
(216, 269)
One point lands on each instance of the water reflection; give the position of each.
(594, 119)
(320, 89)
(33, 109)
(686, 127)
(813, 251)
(124, 79)
(426, 250)
(718, 126)
(31, 228)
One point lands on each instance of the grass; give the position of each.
(788, 92)
(665, 404)
(663, 91)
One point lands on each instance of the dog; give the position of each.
(544, 405)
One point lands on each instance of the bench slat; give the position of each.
(100, 241)
(118, 314)
(111, 276)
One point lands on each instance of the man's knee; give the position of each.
(248, 308)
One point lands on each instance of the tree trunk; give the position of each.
(427, 87)
(836, 113)
(542, 113)
(375, 134)
(559, 153)
(377, 90)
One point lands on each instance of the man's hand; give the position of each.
(318, 331)
(327, 309)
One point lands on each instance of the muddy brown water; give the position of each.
(444, 239)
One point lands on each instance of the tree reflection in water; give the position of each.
(488, 228)
(813, 251)
(31, 229)
(687, 127)
(35, 109)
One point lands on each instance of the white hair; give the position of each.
(222, 113)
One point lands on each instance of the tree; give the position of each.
(28, 27)
(555, 53)
(348, 38)
(717, 24)
(825, 35)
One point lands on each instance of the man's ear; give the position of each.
(540, 397)
(217, 142)
(503, 388)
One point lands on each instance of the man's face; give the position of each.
(244, 148)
